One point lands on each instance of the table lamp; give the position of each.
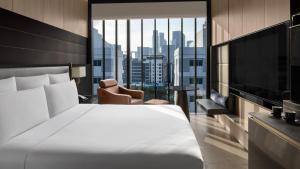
(78, 72)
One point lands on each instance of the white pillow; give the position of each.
(31, 82)
(8, 85)
(59, 78)
(21, 111)
(61, 96)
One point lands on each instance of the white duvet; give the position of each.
(107, 137)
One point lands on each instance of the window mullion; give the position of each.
(195, 66)
(155, 39)
(168, 73)
(103, 49)
(116, 49)
(182, 47)
(142, 53)
(128, 53)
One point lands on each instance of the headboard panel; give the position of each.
(32, 71)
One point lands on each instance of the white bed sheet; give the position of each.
(107, 137)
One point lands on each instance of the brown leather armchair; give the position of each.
(110, 93)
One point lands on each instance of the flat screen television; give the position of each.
(258, 64)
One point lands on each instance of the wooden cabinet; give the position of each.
(219, 21)
(270, 148)
(235, 18)
(276, 11)
(253, 15)
(6, 4)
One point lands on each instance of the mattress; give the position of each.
(108, 137)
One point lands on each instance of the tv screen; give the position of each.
(258, 63)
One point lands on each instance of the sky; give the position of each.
(135, 30)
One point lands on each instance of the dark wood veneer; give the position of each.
(28, 41)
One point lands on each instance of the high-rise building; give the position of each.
(154, 66)
(136, 69)
(146, 51)
(162, 41)
(110, 60)
(188, 68)
(176, 40)
(97, 59)
(155, 41)
(190, 43)
(149, 70)
(202, 36)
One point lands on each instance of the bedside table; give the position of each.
(90, 100)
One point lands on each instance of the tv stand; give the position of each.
(273, 144)
(288, 105)
(254, 99)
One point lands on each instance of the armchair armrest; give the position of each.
(106, 97)
(138, 94)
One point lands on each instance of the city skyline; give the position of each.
(154, 72)
(135, 29)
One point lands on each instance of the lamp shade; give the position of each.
(78, 72)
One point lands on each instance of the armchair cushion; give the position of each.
(108, 83)
(113, 89)
(138, 94)
(107, 97)
(110, 93)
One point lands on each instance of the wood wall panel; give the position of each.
(70, 15)
(83, 18)
(276, 11)
(45, 44)
(75, 16)
(244, 107)
(6, 4)
(220, 70)
(223, 89)
(53, 12)
(253, 15)
(219, 21)
(30, 8)
(224, 74)
(235, 20)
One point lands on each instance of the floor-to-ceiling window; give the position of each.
(110, 49)
(136, 54)
(201, 55)
(152, 54)
(97, 52)
(188, 60)
(149, 59)
(175, 41)
(162, 59)
(121, 52)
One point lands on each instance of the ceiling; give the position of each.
(149, 10)
(138, 1)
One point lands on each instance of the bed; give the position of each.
(106, 136)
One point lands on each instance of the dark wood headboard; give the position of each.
(22, 71)
(28, 42)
